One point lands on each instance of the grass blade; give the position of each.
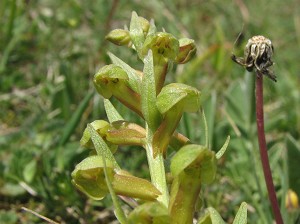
(75, 119)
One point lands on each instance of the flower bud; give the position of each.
(291, 200)
(187, 50)
(119, 37)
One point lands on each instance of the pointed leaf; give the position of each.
(136, 32)
(111, 112)
(148, 95)
(241, 216)
(152, 28)
(211, 216)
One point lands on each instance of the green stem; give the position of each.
(263, 148)
(182, 207)
(157, 170)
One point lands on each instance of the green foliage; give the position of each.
(48, 52)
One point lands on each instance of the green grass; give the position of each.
(49, 52)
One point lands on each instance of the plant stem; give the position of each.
(263, 148)
(185, 189)
(157, 170)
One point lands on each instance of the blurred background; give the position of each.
(49, 52)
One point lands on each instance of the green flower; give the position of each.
(161, 43)
(112, 80)
(173, 100)
(89, 178)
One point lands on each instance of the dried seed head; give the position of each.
(258, 55)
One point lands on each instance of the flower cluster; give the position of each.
(161, 106)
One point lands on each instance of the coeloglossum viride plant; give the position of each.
(161, 106)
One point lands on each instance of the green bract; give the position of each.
(144, 23)
(211, 216)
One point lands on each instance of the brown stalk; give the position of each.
(263, 148)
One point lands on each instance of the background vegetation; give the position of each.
(49, 52)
